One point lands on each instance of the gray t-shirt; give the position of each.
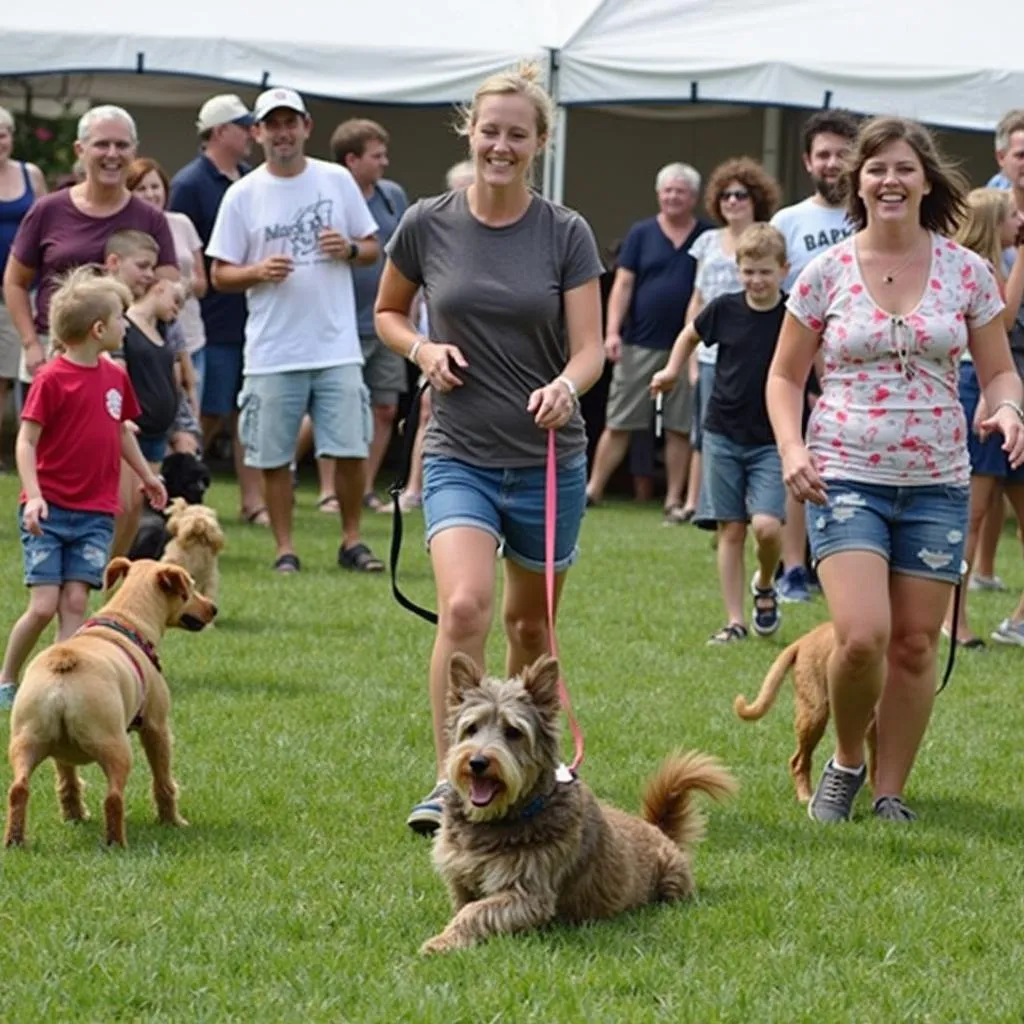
(496, 293)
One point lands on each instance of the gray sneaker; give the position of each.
(892, 808)
(426, 815)
(833, 799)
(7, 692)
(1009, 633)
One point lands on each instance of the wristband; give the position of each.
(353, 251)
(1009, 403)
(411, 354)
(574, 392)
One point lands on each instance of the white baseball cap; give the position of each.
(274, 99)
(224, 109)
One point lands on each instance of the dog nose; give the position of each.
(478, 764)
(213, 610)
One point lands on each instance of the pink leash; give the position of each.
(550, 522)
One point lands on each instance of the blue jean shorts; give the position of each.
(701, 398)
(74, 545)
(739, 481)
(987, 457)
(508, 504)
(271, 407)
(919, 531)
(153, 447)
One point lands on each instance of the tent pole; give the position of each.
(553, 183)
(772, 140)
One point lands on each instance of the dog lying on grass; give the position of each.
(808, 657)
(80, 699)
(518, 848)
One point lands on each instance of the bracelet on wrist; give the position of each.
(416, 345)
(1009, 403)
(574, 392)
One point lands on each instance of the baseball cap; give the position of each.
(224, 109)
(274, 99)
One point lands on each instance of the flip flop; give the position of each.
(287, 564)
(257, 517)
(329, 504)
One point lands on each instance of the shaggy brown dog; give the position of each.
(196, 540)
(808, 657)
(519, 848)
(79, 699)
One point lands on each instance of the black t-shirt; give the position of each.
(151, 370)
(746, 340)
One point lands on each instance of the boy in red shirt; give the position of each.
(74, 433)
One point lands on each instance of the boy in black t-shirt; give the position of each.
(742, 472)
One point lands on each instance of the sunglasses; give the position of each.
(739, 194)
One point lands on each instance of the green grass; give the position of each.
(298, 894)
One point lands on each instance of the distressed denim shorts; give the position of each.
(74, 545)
(919, 531)
(508, 504)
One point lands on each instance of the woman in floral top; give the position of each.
(888, 313)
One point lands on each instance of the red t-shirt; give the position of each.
(80, 410)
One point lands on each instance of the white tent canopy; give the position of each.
(384, 51)
(940, 61)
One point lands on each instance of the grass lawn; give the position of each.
(298, 894)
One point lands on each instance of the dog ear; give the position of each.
(463, 674)
(174, 580)
(541, 681)
(117, 568)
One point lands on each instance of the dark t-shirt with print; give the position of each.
(664, 283)
(746, 340)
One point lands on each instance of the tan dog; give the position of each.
(79, 699)
(196, 541)
(518, 847)
(808, 658)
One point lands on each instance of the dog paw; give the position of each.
(176, 822)
(443, 943)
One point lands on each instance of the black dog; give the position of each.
(185, 476)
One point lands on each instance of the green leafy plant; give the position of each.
(47, 143)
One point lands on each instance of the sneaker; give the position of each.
(833, 799)
(1010, 633)
(978, 582)
(767, 617)
(728, 634)
(426, 815)
(676, 515)
(7, 692)
(892, 808)
(793, 586)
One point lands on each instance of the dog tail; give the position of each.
(770, 687)
(668, 800)
(61, 660)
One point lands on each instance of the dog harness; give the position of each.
(138, 640)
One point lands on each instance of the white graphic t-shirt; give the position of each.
(809, 229)
(307, 321)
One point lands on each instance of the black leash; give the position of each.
(957, 592)
(409, 427)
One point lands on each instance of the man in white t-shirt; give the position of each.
(810, 227)
(287, 234)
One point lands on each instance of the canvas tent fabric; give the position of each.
(939, 61)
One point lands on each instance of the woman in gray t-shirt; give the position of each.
(511, 283)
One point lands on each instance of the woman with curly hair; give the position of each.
(739, 193)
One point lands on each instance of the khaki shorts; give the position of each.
(10, 346)
(384, 372)
(630, 406)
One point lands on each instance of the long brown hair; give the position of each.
(140, 167)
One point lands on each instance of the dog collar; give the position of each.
(129, 634)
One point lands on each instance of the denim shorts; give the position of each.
(74, 545)
(153, 447)
(701, 397)
(739, 481)
(919, 531)
(222, 379)
(508, 504)
(987, 457)
(271, 407)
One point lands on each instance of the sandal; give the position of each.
(727, 634)
(287, 564)
(257, 517)
(329, 504)
(372, 502)
(359, 558)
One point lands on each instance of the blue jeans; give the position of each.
(919, 531)
(508, 504)
(739, 481)
(74, 545)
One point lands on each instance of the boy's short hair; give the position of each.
(130, 242)
(83, 297)
(760, 242)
